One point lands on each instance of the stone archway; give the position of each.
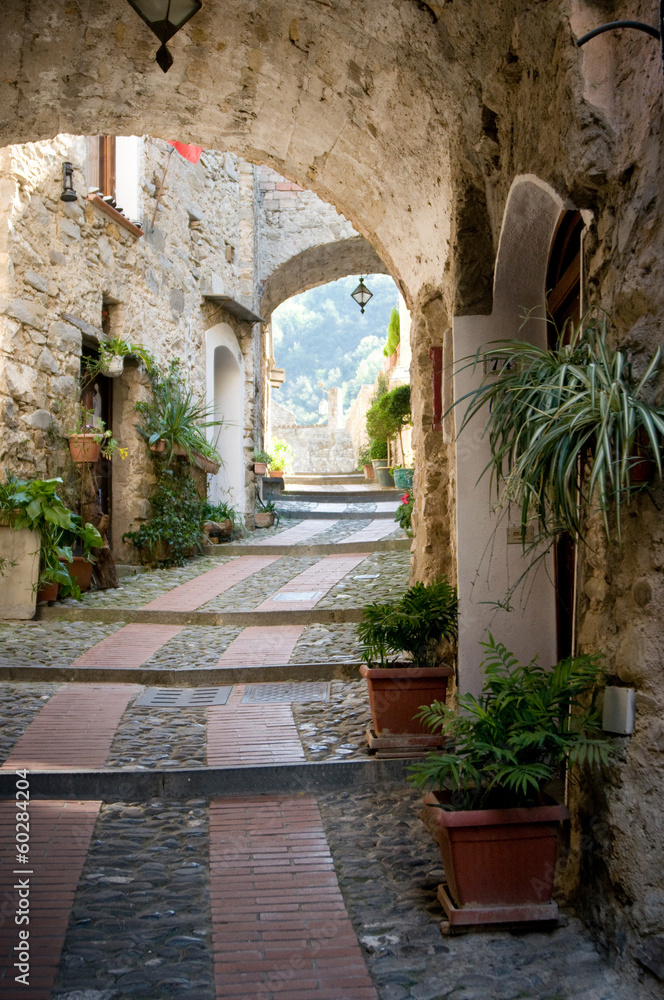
(487, 563)
(225, 395)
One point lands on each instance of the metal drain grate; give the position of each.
(298, 595)
(183, 697)
(260, 694)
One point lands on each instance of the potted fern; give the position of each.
(496, 830)
(417, 625)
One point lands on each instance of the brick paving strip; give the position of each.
(321, 577)
(261, 646)
(245, 735)
(374, 531)
(60, 834)
(280, 930)
(134, 644)
(74, 728)
(306, 529)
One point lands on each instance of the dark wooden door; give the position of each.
(97, 396)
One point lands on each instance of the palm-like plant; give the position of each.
(416, 624)
(516, 737)
(565, 425)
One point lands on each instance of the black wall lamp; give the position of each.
(361, 295)
(637, 25)
(165, 18)
(68, 193)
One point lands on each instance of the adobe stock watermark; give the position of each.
(22, 884)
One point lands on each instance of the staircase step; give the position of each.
(337, 479)
(332, 515)
(352, 496)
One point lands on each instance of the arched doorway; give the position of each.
(225, 394)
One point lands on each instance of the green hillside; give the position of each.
(321, 335)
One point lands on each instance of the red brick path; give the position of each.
(192, 594)
(243, 735)
(279, 926)
(258, 646)
(321, 577)
(128, 647)
(60, 834)
(74, 729)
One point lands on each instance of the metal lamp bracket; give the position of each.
(636, 25)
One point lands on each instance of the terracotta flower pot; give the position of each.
(369, 472)
(49, 592)
(260, 468)
(277, 473)
(264, 519)
(159, 447)
(396, 694)
(206, 464)
(84, 447)
(498, 857)
(80, 570)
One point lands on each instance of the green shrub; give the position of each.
(416, 623)
(506, 745)
(378, 450)
(282, 455)
(177, 514)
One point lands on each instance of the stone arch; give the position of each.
(224, 367)
(487, 563)
(319, 265)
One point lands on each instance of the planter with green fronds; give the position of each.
(416, 625)
(487, 806)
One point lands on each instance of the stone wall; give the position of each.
(320, 448)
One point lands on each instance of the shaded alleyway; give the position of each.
(207, 820)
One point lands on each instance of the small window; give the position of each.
(101, 164)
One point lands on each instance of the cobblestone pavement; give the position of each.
(248, 594)
(381, 576)
(19, 704)
(149, 738)
(141, 921)
(334, 729)
(49, 644)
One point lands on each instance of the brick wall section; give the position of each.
(74, 729)
(60, 834)
(280, 930)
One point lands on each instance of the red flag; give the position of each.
(191, 153)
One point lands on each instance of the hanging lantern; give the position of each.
(68, 193)
(361, 295)
(165, 18)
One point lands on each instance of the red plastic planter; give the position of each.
(397, 693)
(499, 857)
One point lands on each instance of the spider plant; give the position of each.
(565, 425)
(508, 744)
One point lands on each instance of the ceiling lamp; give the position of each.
(361, 295)
(164, 18)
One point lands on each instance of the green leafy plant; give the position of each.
(173, 530)
(266, 506)
(84, 421)
(566, 427)
(263, 457)
(114, 347)
(416, 624)
(176, 416)
(509, 743)
(378, 450)
(404, 513)
(363, 458)
(393, 334)
(390, 414)
(282, 455)
(217, 512)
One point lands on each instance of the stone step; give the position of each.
(328, 548)
(153, 616)
(127, 785)
(332, 515)
(353, 496)
(337, 479)
(330, 670)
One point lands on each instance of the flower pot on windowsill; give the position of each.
(499, 863)
(84, 447)
(264, 518)
(397, 693)
(260, 468)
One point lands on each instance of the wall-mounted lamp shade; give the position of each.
(164, 18)
(362, 295)
(68, 193)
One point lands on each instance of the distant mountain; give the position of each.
(321, 336)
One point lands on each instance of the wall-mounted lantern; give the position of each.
(361, 295)
(165, 18)
(68, 193)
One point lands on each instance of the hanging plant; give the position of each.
(569, 428)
